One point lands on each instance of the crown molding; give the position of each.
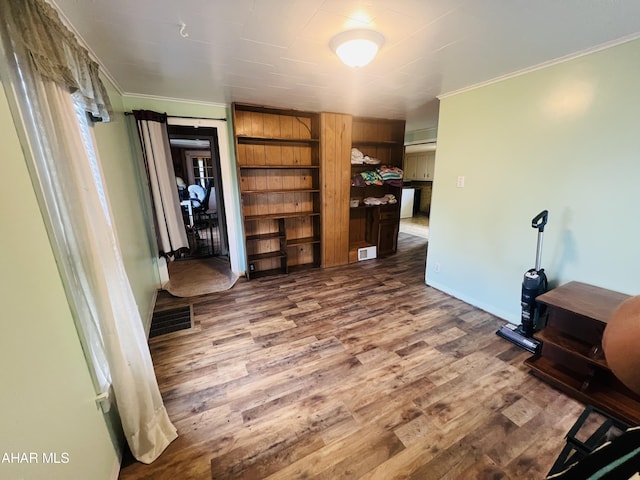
(174, 99)
(543, 65)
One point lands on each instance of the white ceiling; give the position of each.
(276, 52)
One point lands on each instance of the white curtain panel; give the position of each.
(67, 179)
(65, 167)
(99, 263)
(162, 182)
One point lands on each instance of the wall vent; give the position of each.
(367, 253)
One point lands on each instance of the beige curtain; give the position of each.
(67, 178)
(156, 150)
(56, 53)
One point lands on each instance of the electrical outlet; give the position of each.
(436, 267)
(460, 182)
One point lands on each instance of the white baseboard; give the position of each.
(147, 323)
(163, 271)
(492, 309)
(115, 473)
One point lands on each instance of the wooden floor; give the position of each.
(352, 372)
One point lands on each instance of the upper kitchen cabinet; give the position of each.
(419, 166)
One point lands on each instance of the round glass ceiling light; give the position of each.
(356, 48)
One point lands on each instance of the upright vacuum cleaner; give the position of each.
(534, 284)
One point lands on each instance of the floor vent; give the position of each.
(167, 321)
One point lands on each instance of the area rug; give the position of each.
(190, 278)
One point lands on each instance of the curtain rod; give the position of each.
(189, 118)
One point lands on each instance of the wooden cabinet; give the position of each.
(419, 166)
(377, 226)
(410, 166)
(431, 166)
(422, 167)
(277, 152)
(571, 358)
(384, 229)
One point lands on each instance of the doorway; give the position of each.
(419, 168)
(195, 153)
(203, 156)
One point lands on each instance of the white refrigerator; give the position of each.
(406, 204)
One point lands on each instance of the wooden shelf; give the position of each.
(265, 236)
(598, 394)
(247, 140)
(262, 109)
(366, 207)
(586, 300)
(302, 268)
(292, 242)
(267, 273)
(276, 167)
(360, 244)
(266, 255)
(571, 358)
(365, 166)
(276, 216)
(298, 190)
(592, 354)
(376, 143)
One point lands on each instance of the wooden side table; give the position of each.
(571, 358)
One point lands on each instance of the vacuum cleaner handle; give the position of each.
(540, 220)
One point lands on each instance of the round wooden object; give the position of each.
(621, 343)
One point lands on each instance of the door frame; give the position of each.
(227, 170)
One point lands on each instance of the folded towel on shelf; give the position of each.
(390, 173)
(371, 178)
(357, 157)
(375, 201)
(386, 199)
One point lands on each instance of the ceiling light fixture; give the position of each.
(356, 48)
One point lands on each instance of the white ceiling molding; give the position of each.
(541, 66)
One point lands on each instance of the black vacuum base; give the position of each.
(516, 336)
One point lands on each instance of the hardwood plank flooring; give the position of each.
(355, 372)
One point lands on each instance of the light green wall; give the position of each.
(564, 138)
(128, 193)
(47, 401)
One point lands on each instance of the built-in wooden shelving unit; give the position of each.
(277, 151)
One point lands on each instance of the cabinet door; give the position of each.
(384, 223)
(410, 164)
(431, 163)
(421, 167)
(387, 237)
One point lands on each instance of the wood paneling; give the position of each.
(356, 372)
(335, 152)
